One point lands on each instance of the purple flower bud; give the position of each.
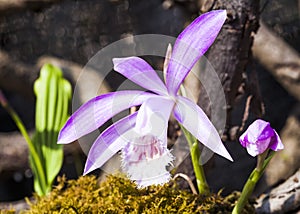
(259, 137)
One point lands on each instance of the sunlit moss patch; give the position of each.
(119, 195)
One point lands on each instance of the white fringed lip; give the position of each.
(145, 161)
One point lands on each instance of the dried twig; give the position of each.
(188, 179)
(246, 113)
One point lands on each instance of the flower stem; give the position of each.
(20, 125)
(202, 185)
(251, 182)
(247, 191)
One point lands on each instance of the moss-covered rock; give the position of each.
(119, 195)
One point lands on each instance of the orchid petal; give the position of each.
(97, 111)
(259, 130)
(108, 143)
(153, 117)
(191, 44)
(276, 143)
(197, 123)
(140, 72)
(259, 137)
(258, 147)
(167, 60)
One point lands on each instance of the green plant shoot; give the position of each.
(53, 94)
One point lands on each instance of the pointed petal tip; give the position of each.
(225, 154)
(64, 142)
(223, 12)
(222, 151)
(60, 140)
(116, 60)
(229, 158)
(220, 12)
(85, 172)
(87, 169)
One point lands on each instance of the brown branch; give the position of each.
(16, 76)
(92, 78)
(12, 6)
(14, 145)
(281, 60)
(246, 113)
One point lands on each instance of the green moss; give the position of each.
(7, 211)
(119, 195)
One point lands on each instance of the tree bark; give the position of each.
(14, 145)
(231, 52)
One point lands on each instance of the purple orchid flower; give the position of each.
(142, 136)
(259, 137)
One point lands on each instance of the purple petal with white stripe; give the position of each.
(109, 142)
(97, 111)
(191, 44)
(197, 123)
(141, 73)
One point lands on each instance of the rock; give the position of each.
(282, 199)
